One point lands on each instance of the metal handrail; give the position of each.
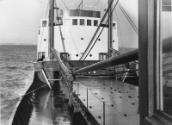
(66, 73)
(46, 79)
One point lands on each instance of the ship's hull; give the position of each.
(41, 105)
(44, 106)
(51, 70)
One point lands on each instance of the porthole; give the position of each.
(77, 55)
(82, 38)
(91, 55)
(45, 39)
(99, 39)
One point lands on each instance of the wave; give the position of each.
(16, 74)
(28, 68)
(11, 91)
(10, 67)
(27, 82)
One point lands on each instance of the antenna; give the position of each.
(81, 5)
(110, 28)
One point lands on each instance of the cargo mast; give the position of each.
(51, 28)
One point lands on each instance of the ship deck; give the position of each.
(42, 106)
(49, 107)
(120, 99)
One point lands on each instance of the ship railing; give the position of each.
(66, 73)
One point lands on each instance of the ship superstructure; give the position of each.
(79, 79)
(73, 31)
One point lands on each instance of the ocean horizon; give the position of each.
(16, 71)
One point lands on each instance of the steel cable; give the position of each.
(100, 32)
(131, 22)
(31, 91)
(92, 39)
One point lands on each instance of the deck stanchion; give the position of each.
(78, 88)
(87, 98)
(103, 112)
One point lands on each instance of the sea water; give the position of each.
(16, 74)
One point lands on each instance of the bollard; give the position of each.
(103, 112)
(87, 98)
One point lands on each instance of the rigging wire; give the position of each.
(131, 22)
(80, 5)
(46, 10)
(32, 91)
(100, 31)
(61, 34)
(118, 22)
(92, 39)
(65, 5)
(62, 39)
(94, 43)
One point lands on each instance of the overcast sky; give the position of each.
(19, 19)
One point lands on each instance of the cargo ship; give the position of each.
(80, 77)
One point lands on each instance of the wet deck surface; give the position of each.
(49, 109)
(44, 107)
(121, 100)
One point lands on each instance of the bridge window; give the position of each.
(82, 22)
(64, 56)
(114, 25)
(166, 5)
(41, 56)
(88, 22)
(95, 22)
(102, 56)
(74, 22)
(44, 23)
